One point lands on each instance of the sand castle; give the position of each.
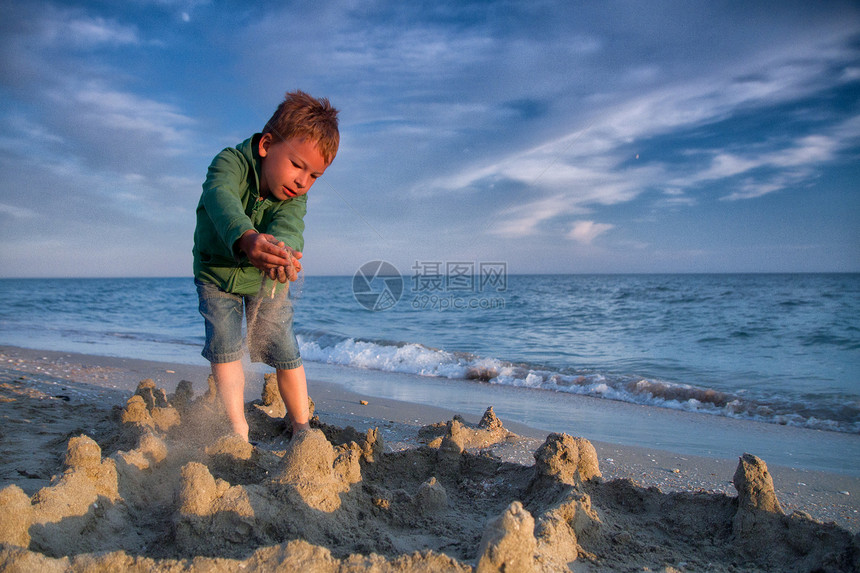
(169, 491)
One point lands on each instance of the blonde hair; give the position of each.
(301, 115)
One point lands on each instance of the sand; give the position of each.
(107, 468)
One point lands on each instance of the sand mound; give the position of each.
(171, 490)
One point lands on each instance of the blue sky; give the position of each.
(554, 136)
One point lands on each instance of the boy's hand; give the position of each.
(265, 251)
(288, 272)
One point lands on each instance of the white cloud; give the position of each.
(725, 165)
(64, 28)
(586, 165)
(851, 74)
(586, 231)
(185, 7)
(574, 173)
(751, 189)
(17, 212)
(811, 149)
(102, 107)
(525, 219)
(791, 163)
(96, 31)
(674, 197)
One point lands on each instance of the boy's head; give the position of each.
(298, 143)
(305, 117)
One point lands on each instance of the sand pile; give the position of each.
(170, 489)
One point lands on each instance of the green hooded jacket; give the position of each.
(231, 205)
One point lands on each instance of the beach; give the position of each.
(403, 486)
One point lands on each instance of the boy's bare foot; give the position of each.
(241, 430)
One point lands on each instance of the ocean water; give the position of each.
(781, 349)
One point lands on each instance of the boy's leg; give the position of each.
(271, 340)
(294, 391)
(222, 314)
(230, 380)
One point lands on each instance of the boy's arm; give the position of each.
(225, 209)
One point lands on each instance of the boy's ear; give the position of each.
(265, 142)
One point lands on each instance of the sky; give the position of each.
(553, 136)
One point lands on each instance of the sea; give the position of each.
(773, 348)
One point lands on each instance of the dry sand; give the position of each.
(95, 478)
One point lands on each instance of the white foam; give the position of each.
(415, 358)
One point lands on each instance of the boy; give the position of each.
(250, 221)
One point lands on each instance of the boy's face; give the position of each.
(289, 167)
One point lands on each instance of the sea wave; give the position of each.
(413, 358)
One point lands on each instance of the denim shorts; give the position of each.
(269, 325)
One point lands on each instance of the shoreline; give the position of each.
(602, 419)
(82, 379)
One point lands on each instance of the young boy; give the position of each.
(250, 221)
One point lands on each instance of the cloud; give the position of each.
(183, 8)
(590, 165)
(49, 27)
(84, 136)
(17, 212)
(90, 32)
(55, 67)
(525, 220)
(725, 165)
(104, 109)
(787, 163)
(586, 231)
(751, 189)
(90, 115)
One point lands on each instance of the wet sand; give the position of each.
(393, 486)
